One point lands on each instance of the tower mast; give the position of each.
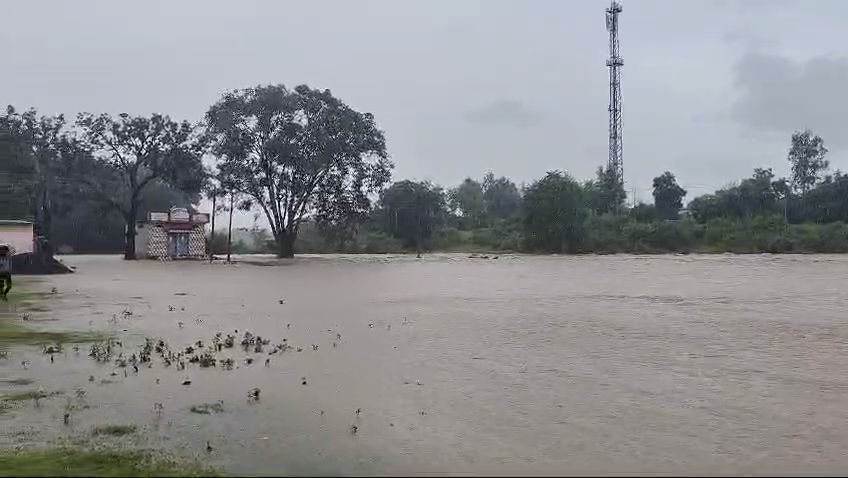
(614, 62)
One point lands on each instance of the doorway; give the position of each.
(178, 244)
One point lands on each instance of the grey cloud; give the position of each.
(778, 95)
(505, 112)
(748, 40)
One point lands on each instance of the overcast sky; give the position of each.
(711, 89)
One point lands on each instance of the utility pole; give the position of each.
(212, 235)
(230, 230)
(614, 63)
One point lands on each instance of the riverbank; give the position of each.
(605, 234)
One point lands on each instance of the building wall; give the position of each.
(156, 242)
(19, 236)
(142, 235)
(197, 241)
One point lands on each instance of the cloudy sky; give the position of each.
(712, 89)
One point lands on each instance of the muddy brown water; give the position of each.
(533, 365)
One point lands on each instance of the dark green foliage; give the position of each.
(554, 211)
(468, 203)
(806, 156)
(297, 153)
(501, 198)
(644, 212)
(758, 195)
(668, 196)
(413, 212)
(130, 153)
(606, 193)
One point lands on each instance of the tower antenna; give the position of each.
(614, 62)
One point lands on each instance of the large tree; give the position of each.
(18, 179)
(297, 153)
(501, 196)
(412, 212)
(467, 200)
(606, 193)
(42, 139)
(554, 213)
(806, 155)
(668, 196)
(131, 152)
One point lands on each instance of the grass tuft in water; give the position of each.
(103, 462)
(115, 430)
(208, 408)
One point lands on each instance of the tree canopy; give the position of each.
(131, 152)
(806, 156)
(668, 195)
(500, 196)
(554, 210)
(413, 212)
(467, 200)
(296, 153)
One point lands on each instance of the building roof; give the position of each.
(9, 222)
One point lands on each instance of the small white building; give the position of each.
(19, 235)
(176, 234)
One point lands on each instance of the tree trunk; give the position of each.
(129, 244)
(285, 245)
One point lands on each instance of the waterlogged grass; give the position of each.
(14, 400)
(19, 396)
(114, 430)
(108, 462)
(208, 408)
(16, 333)
(14, 330)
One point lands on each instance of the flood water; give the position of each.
(524, 364)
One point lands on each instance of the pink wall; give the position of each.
(19, 236)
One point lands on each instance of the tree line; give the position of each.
(318, 171)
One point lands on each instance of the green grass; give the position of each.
(114, 430)
(79, 462)
(16, 333)
(18, 396)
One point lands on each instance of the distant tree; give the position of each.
(828, 201)
(18, 179)
(606, 193)
(413, 212)
(297, 153)
(44, 136)
(760, 195)
(806, 155)
(131, 153)
(554, 212)
(644, 212)
(668, 196)
(501, 197)
(467, 200)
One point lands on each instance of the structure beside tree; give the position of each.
(176, 234)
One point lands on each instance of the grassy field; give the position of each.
(101, 462)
